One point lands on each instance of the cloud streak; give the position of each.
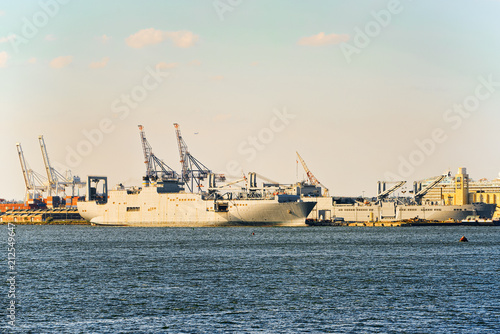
(165, 66)
(323, 39)
(151, 36)
(104, 39)
(99, 64)
(8, 38)
(61, 62)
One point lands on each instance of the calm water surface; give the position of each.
(82, 279)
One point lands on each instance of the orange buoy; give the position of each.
(463, 239)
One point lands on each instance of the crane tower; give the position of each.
(193, 171)
(311, 177)
(35, 183)
(156, 169)
(57, 182)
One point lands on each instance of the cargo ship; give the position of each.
(163, 199)
(359, 210)
(386, 209)
(166, 203)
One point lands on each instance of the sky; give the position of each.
(363, 90)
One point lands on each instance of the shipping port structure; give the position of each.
(49, 190)
(444, 198)
(439, 199)
(45, 195)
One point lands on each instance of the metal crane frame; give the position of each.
(422, 192)
(193, 171)
(156, 169)
(35, 182)
(56, 181)
(314, 181)
(383, 194)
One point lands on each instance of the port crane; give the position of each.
(156, 169)
(35, 183)
(57, 182)
(421, 192)
(383, 193)
(314, 181)
(193, 171)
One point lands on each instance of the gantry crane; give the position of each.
(193, 171)
(53, 183)
(384, 193)
(312, 179)
(35, 183)
(420, 192)
(57, 182)
(156, 169)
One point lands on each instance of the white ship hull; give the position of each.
(151, 208)
(389, 211)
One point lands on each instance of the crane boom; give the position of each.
(232, 182)
(386, 193)
(310, 176)
(24, 167)
(155, 167)
(51, 175)
(183, 153)
(314, 181)
(424, 191)
(146, 148)
(35, 183)
(193, 171)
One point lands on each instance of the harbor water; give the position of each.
(83, 279)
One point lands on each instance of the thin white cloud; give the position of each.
(195, 63)
(2, 13)
(50, 38)
(6, 39)
(323, 39)
(254, 63)
(218, 78)
(61, 62)
(3, 58)
(151, 36)
(99, 64)
(182, 39)
(32, 60)
(145, 37)
(165, 66)
(104, 39)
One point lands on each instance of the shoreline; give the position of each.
(345, 224)
(53, 222)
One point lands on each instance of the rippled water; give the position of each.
(82, 279)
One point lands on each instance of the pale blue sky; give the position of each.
(353, 122)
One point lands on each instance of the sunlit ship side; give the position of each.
(166, 204)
